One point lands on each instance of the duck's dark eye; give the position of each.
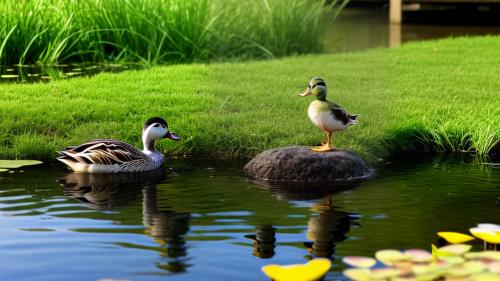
(309, 86)
(156, 125)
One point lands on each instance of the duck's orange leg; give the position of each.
(327, 146)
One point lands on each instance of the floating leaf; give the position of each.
(310, 271)
(384, 273)
(358, 274)
(487, 255)
(486, 235)
(452, 260)
(489, 226)
(356, 261)
(3, 170)
(494, 267)
(455, 237)
(455, 249)
(486, 277)
(389, 257)
(12, 164)
(418, 255)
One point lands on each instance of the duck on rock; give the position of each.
(112, 156)
(325, 114)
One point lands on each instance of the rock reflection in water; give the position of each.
(167, 227)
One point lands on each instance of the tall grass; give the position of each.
(159, 31)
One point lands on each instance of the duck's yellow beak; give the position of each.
(306, 93)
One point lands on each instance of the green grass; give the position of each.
(429, 96)
(151, 32)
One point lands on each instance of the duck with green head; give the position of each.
(325, 114)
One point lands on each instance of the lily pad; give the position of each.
(313, 270)
(455, 237)
(489, 226)
(358, 274)
(389, 257)
(3, 170)
(13, 164)
(356, 261)
(418, 255)
(455, 249)
(486, 255)
(486, 235)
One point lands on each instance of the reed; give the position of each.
(156, 31)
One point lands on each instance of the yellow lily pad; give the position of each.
(313, 270)
(358, 274)
(455, 249)
(486, 235)
(452, 260)
(389, 257)
(467, 269)
(3, 170)
(455, 237)
(494, 267)
(488, 255)
(384, 273)
(356, 261)
(13, 164)
(418, 255)
(486, 276)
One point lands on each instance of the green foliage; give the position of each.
(429, 96)
(157, 31)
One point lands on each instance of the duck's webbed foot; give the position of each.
(324, 148)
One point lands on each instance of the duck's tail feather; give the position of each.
(353, 119)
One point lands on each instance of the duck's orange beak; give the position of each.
(172, 136)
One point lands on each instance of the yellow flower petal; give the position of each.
(486, 235)
(364, 262)
(313, 270)
(455, 237)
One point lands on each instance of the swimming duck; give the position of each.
(325, 114)
(112, 156)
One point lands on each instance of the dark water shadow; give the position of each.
(165, 226)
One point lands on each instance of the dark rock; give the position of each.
(301, 164)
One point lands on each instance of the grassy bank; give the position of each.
(434, 96)
(157, 31)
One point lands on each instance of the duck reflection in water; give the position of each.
(167, 227)
(325, 229)
(264, 241)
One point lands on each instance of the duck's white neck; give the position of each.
(148, 143)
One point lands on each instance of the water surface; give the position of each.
(202, 220)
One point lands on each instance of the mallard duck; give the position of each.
(112, 156)
(325, 114)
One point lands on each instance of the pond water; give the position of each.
(359, 29)
(202, 220)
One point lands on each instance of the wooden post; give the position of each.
(394, 35)
(395, 11)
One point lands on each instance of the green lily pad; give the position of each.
(3, 170)
(12, 164)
